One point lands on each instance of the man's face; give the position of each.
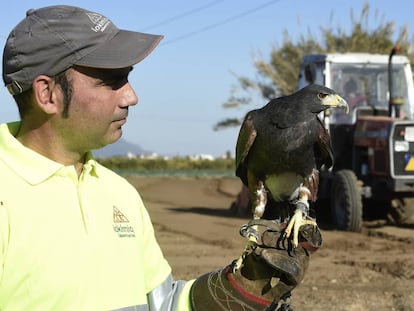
(98, 107)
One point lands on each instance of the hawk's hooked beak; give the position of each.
(335, 101)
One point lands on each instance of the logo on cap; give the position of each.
(100, 22)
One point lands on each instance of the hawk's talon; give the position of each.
(280, 244)
(236, 264)
(292, 250)
(298, 220)
(250, 246)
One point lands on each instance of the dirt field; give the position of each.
(371, 270)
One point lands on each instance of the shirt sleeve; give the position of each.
(171, 296)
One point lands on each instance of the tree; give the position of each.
(279, 76)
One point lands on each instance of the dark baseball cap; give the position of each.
(52, 39)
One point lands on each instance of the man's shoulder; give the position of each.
(109, 175)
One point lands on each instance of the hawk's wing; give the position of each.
(246, 138)
(323, 149)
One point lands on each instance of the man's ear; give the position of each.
(45, 94)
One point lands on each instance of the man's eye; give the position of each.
(109, 82)
(115, 83)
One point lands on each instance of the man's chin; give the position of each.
(115, 137)
(109, 140)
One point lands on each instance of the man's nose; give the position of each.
(129, 98)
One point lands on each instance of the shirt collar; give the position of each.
(30, 165)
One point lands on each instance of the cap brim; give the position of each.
(125, 49)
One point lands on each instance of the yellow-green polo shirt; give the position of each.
(69, 243)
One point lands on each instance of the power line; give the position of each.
(174, 18)
(225, 21)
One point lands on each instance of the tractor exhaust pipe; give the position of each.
(394, 103)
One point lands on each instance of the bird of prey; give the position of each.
(280, 149)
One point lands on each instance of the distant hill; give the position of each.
(120, 148)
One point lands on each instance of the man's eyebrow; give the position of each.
(105, 74)
(124, 74)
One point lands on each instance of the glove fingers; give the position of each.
(289, 268)
(310, 237)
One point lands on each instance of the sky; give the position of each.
(182, 85)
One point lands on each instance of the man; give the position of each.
(73, 234)
(352, 95)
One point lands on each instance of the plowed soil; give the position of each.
(369, 270)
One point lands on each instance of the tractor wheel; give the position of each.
(346, 201)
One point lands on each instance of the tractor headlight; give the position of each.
(401, 146)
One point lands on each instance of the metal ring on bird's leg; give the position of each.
(248, 232)
(243, 230)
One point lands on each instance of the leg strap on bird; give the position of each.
(250, 228)
(310, 236)
(302, 206)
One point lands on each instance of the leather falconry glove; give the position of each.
(268, 274)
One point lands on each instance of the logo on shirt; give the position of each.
(99, 22)
(121, 224)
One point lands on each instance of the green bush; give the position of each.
(178, 163)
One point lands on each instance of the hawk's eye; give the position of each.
(322, 95)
